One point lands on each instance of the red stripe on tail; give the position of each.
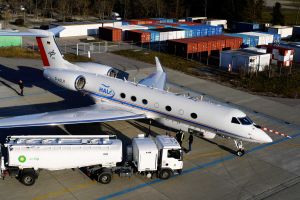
(43, 52)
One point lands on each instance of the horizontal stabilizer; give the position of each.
(34, 32)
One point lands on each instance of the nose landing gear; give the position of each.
(239, 145)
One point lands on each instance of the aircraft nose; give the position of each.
(262, 137)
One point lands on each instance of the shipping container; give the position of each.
(8, 41)
(154, 35)
(295, 46)
(111, 34)
(246, 27)
(243, 59)
(138, 36)
(296, 32)
(142, 21)
(198, 19)
(263, 38)
(284, 31)
(169, 33)
(186, 46)
(217, 22)
(281, 56)
(248, 40)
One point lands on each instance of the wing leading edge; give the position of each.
(88, 114)
(157, 79)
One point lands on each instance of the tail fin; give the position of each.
(51, 56)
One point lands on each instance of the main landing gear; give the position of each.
(239, 145)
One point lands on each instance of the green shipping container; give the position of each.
(8, 41)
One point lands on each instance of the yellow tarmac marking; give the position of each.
(64, 191)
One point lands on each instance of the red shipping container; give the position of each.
(111, 34)
(138, 36)
(204, 44)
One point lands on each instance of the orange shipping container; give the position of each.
(138, 36)
(203, 44)
(111, 34)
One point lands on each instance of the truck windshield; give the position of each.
(174, 154)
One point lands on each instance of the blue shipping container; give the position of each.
(246, 27)
(248, 40)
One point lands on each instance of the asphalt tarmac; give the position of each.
(211, 170)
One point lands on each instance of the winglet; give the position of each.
(158, 65)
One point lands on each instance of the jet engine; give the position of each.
(99, 69)
(72, 80)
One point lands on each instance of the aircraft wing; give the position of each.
(157, 79)
(90, 114)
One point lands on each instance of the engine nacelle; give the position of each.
(96, 68)
(72, 80)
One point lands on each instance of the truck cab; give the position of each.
(170, 156)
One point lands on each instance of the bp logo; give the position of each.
(22, 159)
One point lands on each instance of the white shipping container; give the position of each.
(284, 31)
(133, 27)
(264, 38)
(63, 152)
(163, 36)
(296, 47)
(261, 50)
(217, 22)
(107, 24)
(180, 34)
(145, 154)
(244, 59)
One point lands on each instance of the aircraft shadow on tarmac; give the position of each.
(220, 146)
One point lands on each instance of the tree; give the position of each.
(277, 16)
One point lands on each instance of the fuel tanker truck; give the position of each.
(100, 156)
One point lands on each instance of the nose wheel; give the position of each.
(239, 145)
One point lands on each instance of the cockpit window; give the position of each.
(235, 121)
(245, 120)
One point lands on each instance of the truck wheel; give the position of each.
(28, 178)
(104, 178)
(165, 174)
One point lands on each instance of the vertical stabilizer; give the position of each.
(50, 53)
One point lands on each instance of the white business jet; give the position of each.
(117, 99)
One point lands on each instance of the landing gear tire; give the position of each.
(104, 178)
(239, 145)
(240, 152)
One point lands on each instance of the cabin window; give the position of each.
(133, 98)
(235, 121)
(123, 95)
(145, 101)
(168, 108)
(245, 120)
(194, 115)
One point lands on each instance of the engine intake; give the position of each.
(80, 83)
